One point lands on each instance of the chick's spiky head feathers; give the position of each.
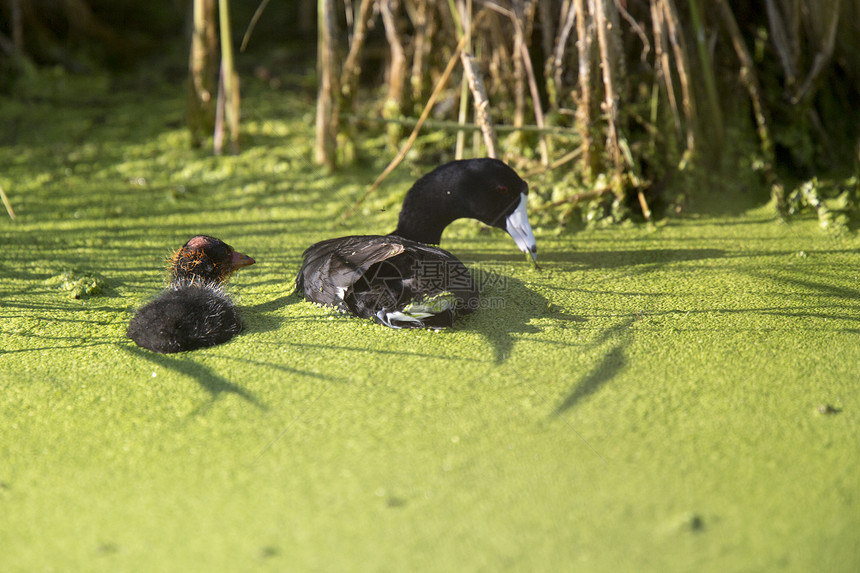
(205, 260)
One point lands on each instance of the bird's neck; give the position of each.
(424, 216)
(189, 280)
(427, 231)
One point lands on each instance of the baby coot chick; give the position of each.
(194, 311)
(398, 279)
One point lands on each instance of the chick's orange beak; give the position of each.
(238, 260)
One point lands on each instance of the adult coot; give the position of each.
(194, 311)
(398, 279)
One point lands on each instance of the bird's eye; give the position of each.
(502, 190)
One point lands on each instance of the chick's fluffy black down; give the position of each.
(185, 318)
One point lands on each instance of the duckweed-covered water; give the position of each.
(676, 398)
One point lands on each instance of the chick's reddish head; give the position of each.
(205, 259)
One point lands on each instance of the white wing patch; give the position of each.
(415, 312)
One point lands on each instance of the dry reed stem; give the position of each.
(421, 47)
(748, 77)
(7, 204)
(676, 38)
(454, 126)
(397, 65)
(460, 15)
(202, 85)
(661, 63)
(643, 203)
(583, 109)
(440, 84)
(530, 75)
(351, 69)
(637, 29)
(519, 67)
(482, 104)
(821, 57)
(547, 31)
(576, 198)
(706, 71)
(554, 71)
(230, 79)
(253, 24)
(325, 147)
(779, 35)
(566, 158)
(218, 132)
(610, 105)
(500, 58)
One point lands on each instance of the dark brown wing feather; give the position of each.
(364, 275)
(331, 267)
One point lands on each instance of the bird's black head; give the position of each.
(206, 260)
(484, 189)
(488, 190)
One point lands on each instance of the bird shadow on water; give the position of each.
(215, 385)
(612, 363)
(507, 307)
(604, 259)
(263, 317)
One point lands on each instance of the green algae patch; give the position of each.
(78, 284)
(683, 397)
